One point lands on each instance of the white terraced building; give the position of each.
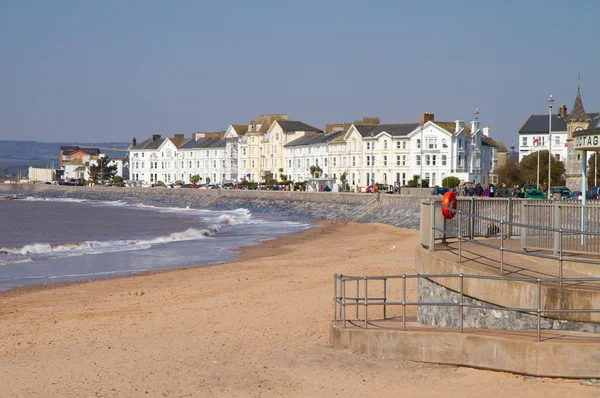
(388, 154)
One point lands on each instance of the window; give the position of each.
(385, 144)
(427, 160)
(368, 145)
(404, 145)
(403, 178)
(353, 160)
(368, 160)
(443, 160)
(444, 144)
(325, 162)
(334, 161)
(433, 179)
(418, 144)
(403, 160)
(385, 160)
(418, 160)
(398, 160)
(460, 161)
(290, 163)
(524, 141)
(397, 177)
(433, 159)
(427, 178)
(557, 140)
(397, 144)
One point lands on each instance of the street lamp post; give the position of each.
(550, 102)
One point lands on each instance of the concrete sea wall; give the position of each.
(400, 211)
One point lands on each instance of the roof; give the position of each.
(538, 124)
(488, 141)
(203, 143)
(69, 148)
(75, 161)
(148, 144)
(578, 113)
(265, 121)
(73, 149)
(501, 147)
(289, 126)
(240, 129)
(312, 139)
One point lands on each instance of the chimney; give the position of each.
(155, 137)
(178, 136)
(562, 111)
(427, 117)
(460, 124)
(486, 131)
(133, 141)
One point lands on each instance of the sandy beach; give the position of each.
(254, 327)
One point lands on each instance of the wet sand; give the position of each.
(254, 327)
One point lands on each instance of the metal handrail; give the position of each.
(340, 298)
(561, 232)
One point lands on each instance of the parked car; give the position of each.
(575, 195)
(534, 194)
(593, 193)
(439, 191)
(561, 192)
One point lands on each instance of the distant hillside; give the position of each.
(33, 150)
(17, 156)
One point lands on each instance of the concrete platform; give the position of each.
(559, 354)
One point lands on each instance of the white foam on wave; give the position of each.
(70, 200)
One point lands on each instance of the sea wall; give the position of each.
(446, 316)
(400, 211)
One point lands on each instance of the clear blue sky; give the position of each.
(108, 70)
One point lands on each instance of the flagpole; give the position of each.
(538, 170)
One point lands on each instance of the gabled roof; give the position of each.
(538, 124)
(578, 113)
(290, 126)
(313, 139)
(73, 149)
(266, 121)
(240, 129)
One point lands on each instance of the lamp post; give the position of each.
(550, 102)
(372, 161)
(421, 159)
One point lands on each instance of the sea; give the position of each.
(51, 240)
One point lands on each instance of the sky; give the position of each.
(97, 71)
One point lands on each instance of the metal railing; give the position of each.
(341, 300)
(556, 235)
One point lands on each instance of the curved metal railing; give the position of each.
(341, 300)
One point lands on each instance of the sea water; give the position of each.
(44, 240)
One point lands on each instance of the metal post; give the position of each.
(560, 255)
(583, 195)
(501, 247)
(403, 301)
(366, 302)
(384, 298)
(335, 297)
(539, 307)
(357, 294)
(550, 102)
(343, 300)
(510, 217)
(432, 233)
(471, 219)
(460, 308)
(459, 236)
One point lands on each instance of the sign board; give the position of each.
(587, 142)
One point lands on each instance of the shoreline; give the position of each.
(242, 253)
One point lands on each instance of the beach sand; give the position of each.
(255, 327)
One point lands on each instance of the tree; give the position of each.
(509, 174)
(450, 182)
(414, 183)
(528, 169)
(208, 180)
(284, 178)
(344, 178)
(195, 179)
(312, 170)
(592, 169)
(102, 170)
